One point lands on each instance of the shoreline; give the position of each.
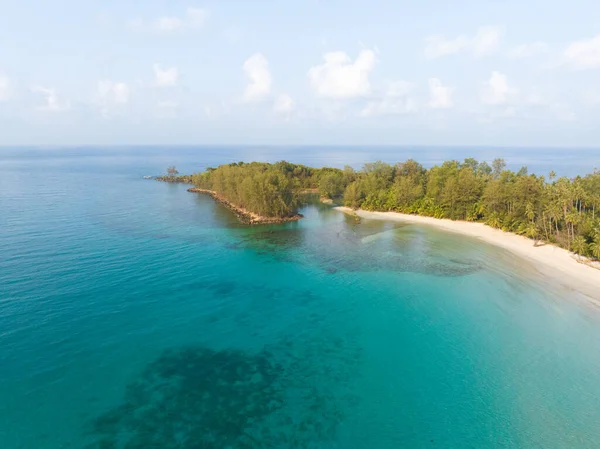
(183, 179)
(245, 216)
(558, 263)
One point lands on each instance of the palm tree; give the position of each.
(572, 219)
(529, 211)
(595, 248)
(494, 220)
(553, 213)
(579, 246)
(531, 231)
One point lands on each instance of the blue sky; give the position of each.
(300, 72)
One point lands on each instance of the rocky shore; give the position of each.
(185, 179)
(245, 216)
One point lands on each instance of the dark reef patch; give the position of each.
(195, 397)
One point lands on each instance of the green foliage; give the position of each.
(331, 183)
(579, 245)
(498, 166)
(562, 211)
(594, 248)
(270, 190)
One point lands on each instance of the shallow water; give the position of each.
(134, 314)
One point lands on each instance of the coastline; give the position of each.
(183, 179)
(244, 215)
(558, 263)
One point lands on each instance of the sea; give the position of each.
(137, 315)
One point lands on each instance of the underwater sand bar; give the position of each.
(559, 264)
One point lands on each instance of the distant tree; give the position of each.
(172, 171)
(349, 174)
(484, 169)
(471, 163)
(353, 196)
(331, 185)
(498, 166)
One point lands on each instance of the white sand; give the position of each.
(560, 264)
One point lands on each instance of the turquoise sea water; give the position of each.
(134, 314)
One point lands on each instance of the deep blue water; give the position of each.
(134, 314)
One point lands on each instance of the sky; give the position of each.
(381, 72)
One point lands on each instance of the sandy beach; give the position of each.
(550, 260)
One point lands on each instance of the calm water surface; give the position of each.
(136, 315)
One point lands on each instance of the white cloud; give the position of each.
(4, 87)
(136, 24)
(111, 95)
(196, 17)
(496, 90)
(165, 77)
(486, 40)
(340, 78)
(52, 103)
(256, 70)
(529, 50)
(388, 106)
(438, 46)
(395, 101)
(168, 24)
(584, 54)
(539, 96)
(193, 19)
(550, 113)
(440, 96)
(284, 105)
(117, 93)
(483, 42)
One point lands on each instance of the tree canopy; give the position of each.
(269, 190)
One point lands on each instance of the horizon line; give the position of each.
(316, 145)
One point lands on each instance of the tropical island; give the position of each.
(559, 211)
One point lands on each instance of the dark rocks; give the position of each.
(184, 179)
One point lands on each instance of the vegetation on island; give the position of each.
(174, 176)
(561, 211)
(268, 190)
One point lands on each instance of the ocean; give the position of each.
(134, 314)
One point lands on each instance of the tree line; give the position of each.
(561, 210)
(269, 190)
